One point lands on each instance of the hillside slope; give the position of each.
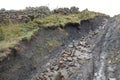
(80, 46)
(93, 57)
(32, 55)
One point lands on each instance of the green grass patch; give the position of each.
(59, 19)
(10, 35)
(53, 42)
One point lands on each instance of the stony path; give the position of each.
(87, 58)
(70, 61)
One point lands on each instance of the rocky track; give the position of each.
(85, 59)
(70, 61)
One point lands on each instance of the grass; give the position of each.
(53, 42)
(62, 20)
(12, 34)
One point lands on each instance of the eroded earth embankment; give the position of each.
(84, 52)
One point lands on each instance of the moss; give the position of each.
(52, 42)
(1, 34)
(41, 50)
(48, 45)
(114, 62)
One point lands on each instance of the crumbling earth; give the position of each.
(90, 58)
(91, 53)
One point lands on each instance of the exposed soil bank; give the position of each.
(45, 45)
(96, 56)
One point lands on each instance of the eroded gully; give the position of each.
(83, 59)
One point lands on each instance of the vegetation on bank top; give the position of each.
(12, 34)
(62, 20)
(29, 13)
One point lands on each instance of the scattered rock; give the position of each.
(112, 79)
(70, 45)
(64, 73)
(65, 55)
(56, 68)
(48, 70)
(61, 62)
(77, 53)
(74, 58)
(69, 59)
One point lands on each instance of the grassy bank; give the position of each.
(62, 20)
(12, 34)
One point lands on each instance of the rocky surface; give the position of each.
(91, 53)
(69, 64)
(87, 58)
(8, 17)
